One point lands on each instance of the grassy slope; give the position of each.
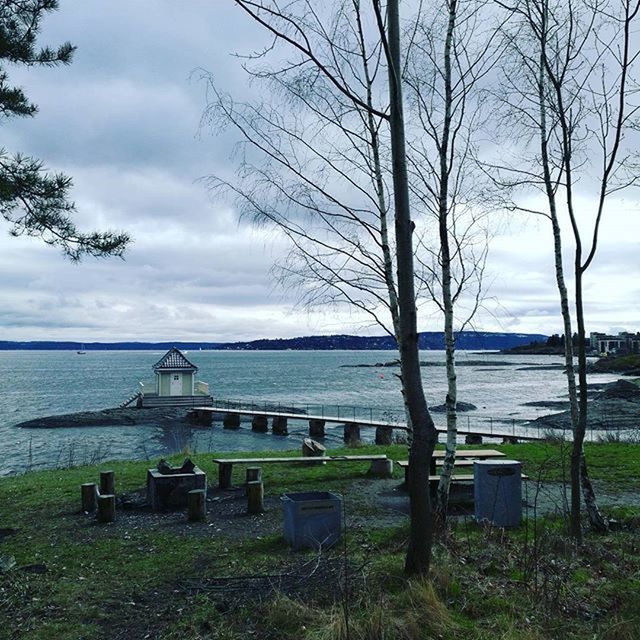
(128, 579)
(617, 364)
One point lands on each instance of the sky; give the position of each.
(124, 120)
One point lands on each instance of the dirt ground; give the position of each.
(369, 503)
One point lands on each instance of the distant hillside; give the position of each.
(429, 340)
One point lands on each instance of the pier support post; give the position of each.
(106, 508)
(384, 435)
(89, 495)
(279, 426)
(255, 496)
(108, 482)
(260, 424)
(351, 433)
(224, 475)
(473, 438)
(231, 421)
(197, 505)
(316, 428)
(200, 417)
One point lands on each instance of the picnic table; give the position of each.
(225, 465)
(464, 458)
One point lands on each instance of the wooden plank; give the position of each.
(471, 453)
(460, 462)
(465, 478)
(463, 455)
(357, 458)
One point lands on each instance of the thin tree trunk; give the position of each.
(578, 436)
(452, 416)
(447, 299)
(575, 525)
(424, 434)
(595, 517)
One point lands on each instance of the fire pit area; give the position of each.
(168, 487)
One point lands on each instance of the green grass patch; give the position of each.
(616, 463)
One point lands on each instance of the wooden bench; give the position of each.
(225, 465)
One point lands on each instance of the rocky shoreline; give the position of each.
(109, 418)
(614, 406)
(128, 416)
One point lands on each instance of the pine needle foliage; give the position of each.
(34, 201)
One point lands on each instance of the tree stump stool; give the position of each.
(89, 496)
(255, 496)
(106, 508)
(108, 482)
(197, 505)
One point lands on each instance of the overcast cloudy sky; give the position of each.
(123, 120)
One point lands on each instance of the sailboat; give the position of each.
(81, 351)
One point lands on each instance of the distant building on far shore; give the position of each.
(621, 344)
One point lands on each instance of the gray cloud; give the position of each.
(124, 120)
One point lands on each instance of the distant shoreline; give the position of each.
(428, 341)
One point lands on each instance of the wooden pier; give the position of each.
(384, 429)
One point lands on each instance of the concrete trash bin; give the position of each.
(312, 519)
(497, 486)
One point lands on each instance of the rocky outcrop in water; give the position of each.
(460, 407)
(109, 418)
(160, 416)
(616, 407)
(622, 390)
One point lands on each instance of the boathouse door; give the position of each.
(176, 384)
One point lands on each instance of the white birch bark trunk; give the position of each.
(444, 484)
(595, 517)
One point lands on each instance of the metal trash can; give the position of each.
(312, 519)
(497, 486)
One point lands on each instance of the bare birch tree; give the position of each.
(317, 165)
(575, 90)
(455, 47)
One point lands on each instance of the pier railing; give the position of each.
(348, 413)
(605, 426)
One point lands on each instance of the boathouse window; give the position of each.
(176, 376)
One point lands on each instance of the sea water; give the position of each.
(44, 383)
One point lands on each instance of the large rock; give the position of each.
(622, 389)
(460, 407)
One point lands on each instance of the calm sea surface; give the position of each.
(42, 383)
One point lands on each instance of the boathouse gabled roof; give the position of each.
(174, 360)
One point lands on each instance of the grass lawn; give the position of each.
(157, 576)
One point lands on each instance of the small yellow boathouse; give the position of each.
(175, 383)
